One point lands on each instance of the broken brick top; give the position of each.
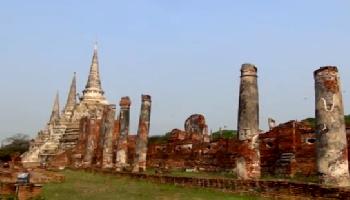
(248, 70)
(326, 70)
(196, 124)
(301, 125)
(125, 102)
(146, 97)
(177, 134)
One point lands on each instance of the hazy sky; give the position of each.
(185, 53)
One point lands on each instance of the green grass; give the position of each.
(89, 186)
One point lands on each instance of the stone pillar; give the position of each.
(248, 161)
(93, 131)
(142, 135)
(122, 147)
(332, 155)
(108, 129)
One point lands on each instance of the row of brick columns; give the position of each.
(104, 142)
(332, 155)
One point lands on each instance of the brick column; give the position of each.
(332, 154)
(108, 129)
(93, 130)
(248, 161)
(142, 135)
(122, 147)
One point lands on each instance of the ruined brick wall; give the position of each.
(288, 149)
(293, 139)
(187, 154)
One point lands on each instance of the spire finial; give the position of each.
(95, 45)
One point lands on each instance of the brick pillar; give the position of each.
(248, 161)
(108, 129)
(93, 130)
(80, 148)
(142, 135)
(332, 154)
(122, 147)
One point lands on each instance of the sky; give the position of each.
(186, 54)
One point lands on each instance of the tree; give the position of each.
(16, 144)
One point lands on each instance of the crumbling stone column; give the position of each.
(108, 129)
(248, 161)
(142, 135)
(122, 147)
(332, 154)
(91, 142)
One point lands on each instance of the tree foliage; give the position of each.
(225, 134)
(347, 120)
(159, 139)
(16, 144)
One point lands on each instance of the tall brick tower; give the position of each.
(248, 162)
(332, 154)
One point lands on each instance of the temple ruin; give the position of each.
(87, 134)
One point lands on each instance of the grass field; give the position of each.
(87, 186)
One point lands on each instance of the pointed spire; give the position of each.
(93, 90)
(55, 114)
(72, 99)
(94, 75)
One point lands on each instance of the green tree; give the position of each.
(226, 134)
(16, 144)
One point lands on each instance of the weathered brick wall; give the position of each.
(213, 156)
(271, 189)
(292, 141)
(295, 139)
(288, 149)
